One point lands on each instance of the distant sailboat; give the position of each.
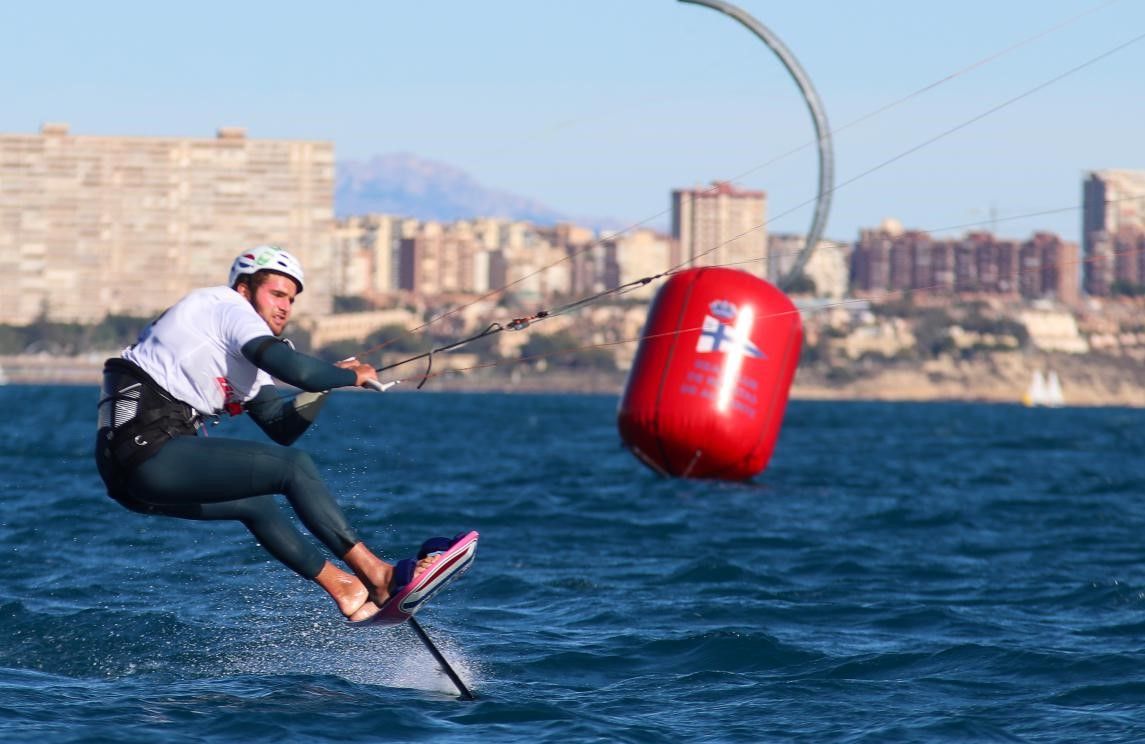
(1044, 390)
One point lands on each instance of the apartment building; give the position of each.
(98, 225)
(1049, 268)
(828, 267)
(367, 254)
(892, 260)
(634, 255)
(722, 225)
(1113, 208)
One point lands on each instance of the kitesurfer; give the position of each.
(218, 351)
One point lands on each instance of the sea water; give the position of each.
(901, 572)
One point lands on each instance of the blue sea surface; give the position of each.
(900, 573)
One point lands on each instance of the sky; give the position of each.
(945, 116)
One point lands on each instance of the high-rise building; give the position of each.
(783, 250)
(1049, 268)
(871, 258)
(890, 258)
(975, 264)
(1059, 269)
(1005, 257)
(722, 225)
(94, 225)
(942, 266)
(367, 254)
(634, 255)
(478, 257)
(1128, 254)
(911, 262)
(1113, 201)
(420, 260)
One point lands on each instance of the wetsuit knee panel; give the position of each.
(302, 463)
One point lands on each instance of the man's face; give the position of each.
(273, 301)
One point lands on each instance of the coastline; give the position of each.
(1088, 380)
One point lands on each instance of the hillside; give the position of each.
(409, 186)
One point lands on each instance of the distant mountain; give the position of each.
(406, 185)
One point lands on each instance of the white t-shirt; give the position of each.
(194, 350)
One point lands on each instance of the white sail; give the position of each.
(1054, 395)
(1036, 392)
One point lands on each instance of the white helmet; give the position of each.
(266, 258)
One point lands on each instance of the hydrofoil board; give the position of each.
(451, 563)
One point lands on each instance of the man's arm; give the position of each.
(284, 420)
(300, 370)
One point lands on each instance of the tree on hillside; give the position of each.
(932, 332)
(801, 284)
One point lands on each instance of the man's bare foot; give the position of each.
(374, 576)
(373, 602)
(365, 612)
(347, 591)
(371, 570)
(425, 563)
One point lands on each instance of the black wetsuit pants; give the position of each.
(213, 478)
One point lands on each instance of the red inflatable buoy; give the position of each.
(706, 393)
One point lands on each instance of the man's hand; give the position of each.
(364, 371)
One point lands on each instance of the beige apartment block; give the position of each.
(535, 265)
(828, 267)
(721, 225)
(635, 255)
(98, 225)
(1113, 204)
(1113, 199)
(421, 260)
(367, 253)
(783, 251)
